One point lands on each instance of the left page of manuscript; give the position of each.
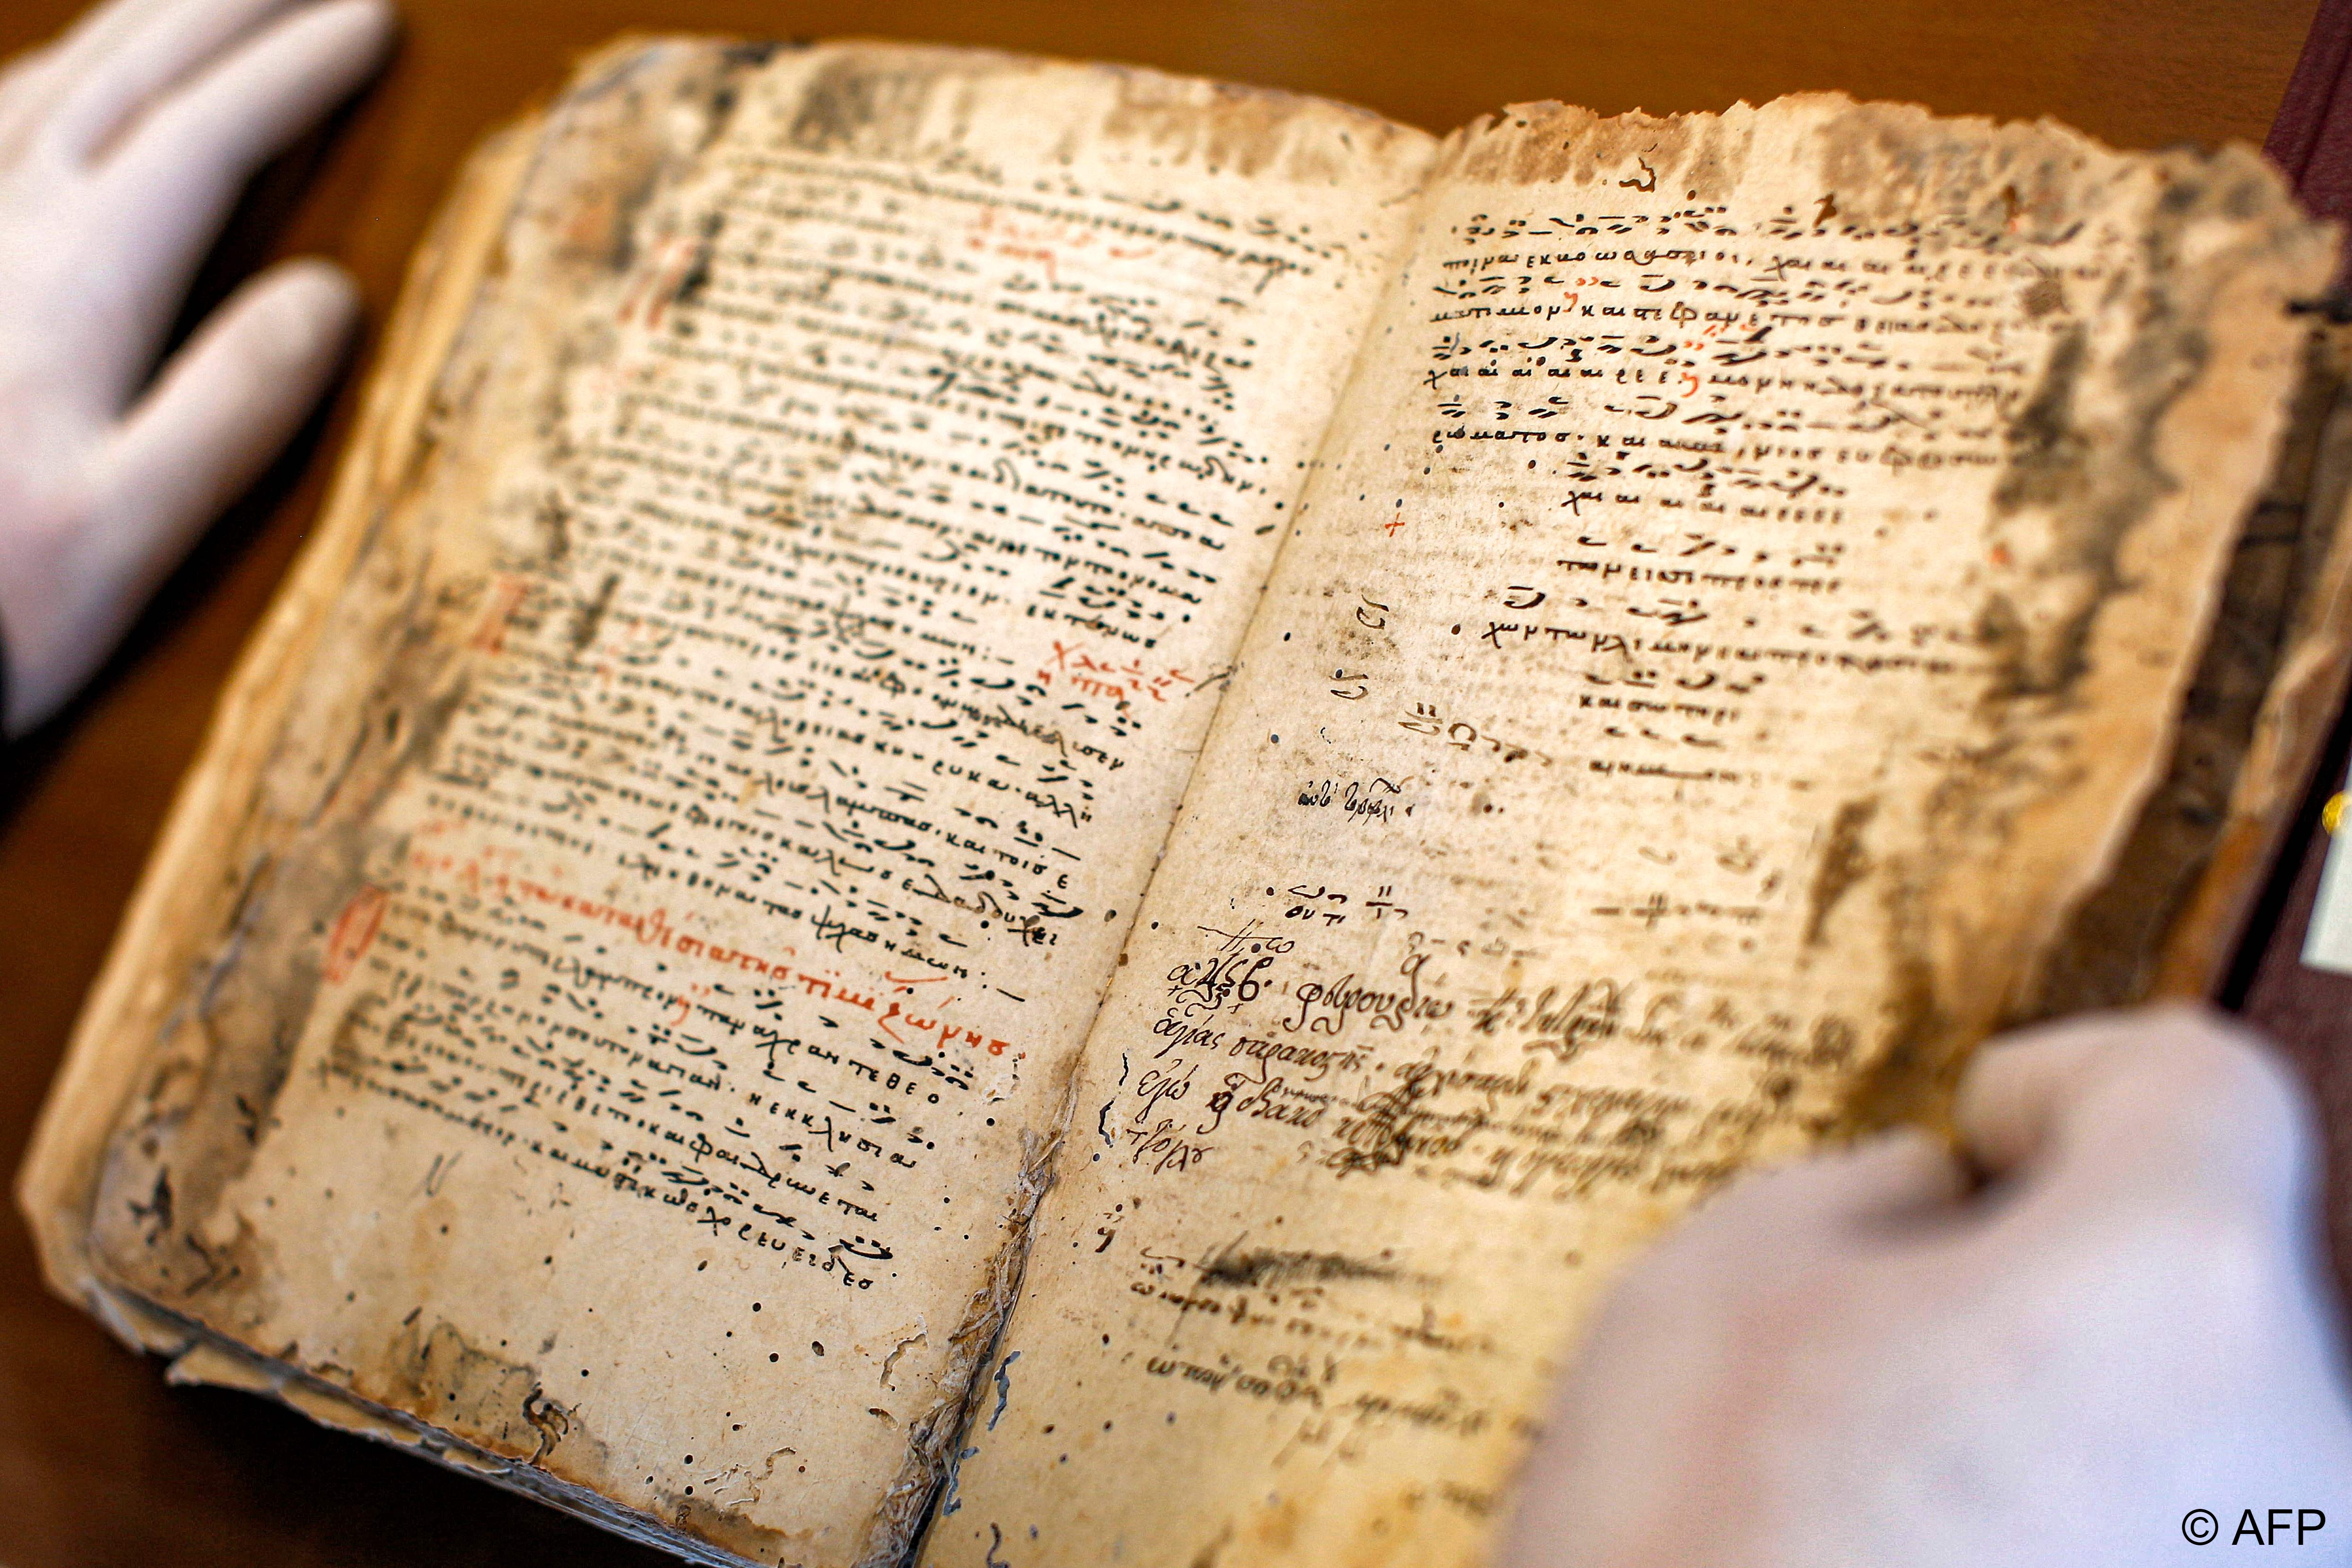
(622, 1039)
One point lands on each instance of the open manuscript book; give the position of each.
(1017, 812)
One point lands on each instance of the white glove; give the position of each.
(123, 145)
(1858, 1362)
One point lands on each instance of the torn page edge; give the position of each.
(200, 1358)
(2164, 914)
(121, 1024)
(903, 1521)
(2289, 733)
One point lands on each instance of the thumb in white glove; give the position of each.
(123, 146)
(1859, 1361)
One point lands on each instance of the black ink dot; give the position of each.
(772, 1356)
(697, 1268)
(1274, 740)
(817, 1345)
(689, 1459)
(755, 1306)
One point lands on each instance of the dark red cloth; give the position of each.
(2311, 137)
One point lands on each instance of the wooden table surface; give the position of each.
(100, 1464)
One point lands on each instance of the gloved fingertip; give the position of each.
(2180, 1091)
(311, 308)
(373, 26)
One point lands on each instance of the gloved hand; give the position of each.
(123, 145)
(1858, 1361)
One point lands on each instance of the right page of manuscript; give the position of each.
(1743, 600)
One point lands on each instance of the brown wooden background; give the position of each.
(100, 1464)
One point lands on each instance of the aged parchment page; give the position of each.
(1737, 613)
(664, 924)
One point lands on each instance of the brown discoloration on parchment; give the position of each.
(503, 1407)
(2279, 583)
(1963, 179)
(1911, 1076)
(2304, 693)
(401, 632)
(500, 1404)
(229, 1051)
(308, 766)
(883, 101)
(2089, 476)
(203, 1358)
(1251, 131)
(870, 103)
(1696, 157)
(202, 875)
(1844, 863)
